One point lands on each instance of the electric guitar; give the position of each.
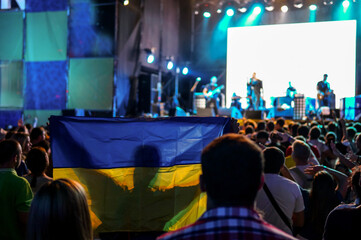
(322, 95)
(210, 94)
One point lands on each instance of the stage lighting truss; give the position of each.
(327, 2)
(205, 8)
(244, 5)
(150, 58)
(229, 7)
(169, 63)
(269, 5)
(299, 3)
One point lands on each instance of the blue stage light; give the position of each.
(185, 71)
(170, 65)
(150, 58)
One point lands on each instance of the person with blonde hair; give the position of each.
(60, 211)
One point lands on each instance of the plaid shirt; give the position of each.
(228, 223)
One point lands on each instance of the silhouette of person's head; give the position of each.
(232, 171)
(147, 156)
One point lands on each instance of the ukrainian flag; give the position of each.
(139, 174)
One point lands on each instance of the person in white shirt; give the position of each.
(286, 193)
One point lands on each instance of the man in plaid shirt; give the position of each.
(232, 168)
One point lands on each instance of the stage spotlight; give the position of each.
(327, 2)
(230, 12)
(284, 9)
(228, 6)
(206, 8)
(242, 10)
(345, 4)
(269, 5)
(207, 14)
(150, 55)
(257, 10)
(150, 59)
(270, 8)
(313, 7)
(126, 2)
(185, 71)
(298, 3)
(170, 63)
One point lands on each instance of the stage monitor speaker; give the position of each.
(205, 112)
(99, 113)
(299, 110)
(253, 114)
(230, 112)
(73, 112)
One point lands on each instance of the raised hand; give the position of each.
(312, 170)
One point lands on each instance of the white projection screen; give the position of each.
(300, 53)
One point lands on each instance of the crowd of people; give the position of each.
(271, 179)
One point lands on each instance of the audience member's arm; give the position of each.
(23, 220)
(323, 129)
(345, 161)
(339, 176)
(234, 125)
(298, 219)
(313, 159)
(286, 173)
(341, 129)
(286, 137)
(261, 146)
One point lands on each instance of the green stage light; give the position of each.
(207, 14)
(313, 7)
(345, 4)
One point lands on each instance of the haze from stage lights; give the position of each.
(300, 53)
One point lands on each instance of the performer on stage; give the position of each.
(211, 92)
(323, 92)
(291, 91)
(236, 101)
(257, 87)
(249, 96)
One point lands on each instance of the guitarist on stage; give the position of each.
(323, 92)
(211, 92)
